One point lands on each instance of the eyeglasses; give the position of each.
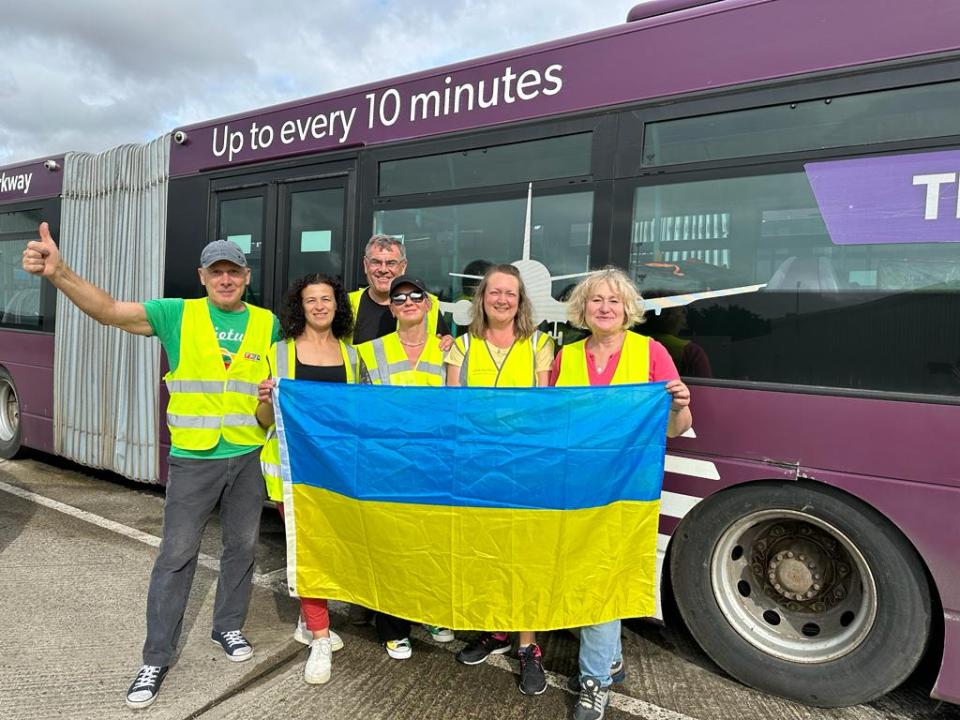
(389, 264)
(400, 298)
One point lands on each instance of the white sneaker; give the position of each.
(317, 669)
(305, 637)
(399, 649)
(440, 634)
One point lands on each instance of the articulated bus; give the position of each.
(779, 176)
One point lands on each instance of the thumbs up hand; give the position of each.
(42, 257)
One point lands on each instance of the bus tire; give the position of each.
(802, 591)
(9, 416)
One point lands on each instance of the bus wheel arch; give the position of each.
(10, 432)
(802, 590)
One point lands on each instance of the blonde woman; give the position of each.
(607, 304)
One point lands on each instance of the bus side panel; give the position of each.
(927, 516)
(28, 356)
(873, 437)
(947, 686)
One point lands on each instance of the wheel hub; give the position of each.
(793, 585)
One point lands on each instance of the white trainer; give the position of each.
(317, 669)
(440, 634)
(305, 637)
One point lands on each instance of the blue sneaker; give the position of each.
(234, 644)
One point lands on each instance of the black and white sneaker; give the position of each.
(234, 644)
(592, 702)
(618, 673)
(146, 686)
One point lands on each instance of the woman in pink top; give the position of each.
(607, 304)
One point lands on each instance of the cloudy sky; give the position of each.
(92, 74)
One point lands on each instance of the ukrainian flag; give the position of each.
(474, 508)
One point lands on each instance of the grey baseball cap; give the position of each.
(222, 250)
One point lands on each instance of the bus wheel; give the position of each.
(9, 416)
(802, 591)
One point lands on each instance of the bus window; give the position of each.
(241, 220)
(19, 291)
(316, 232)
(458, 238)
(881, 316)
(20, 221)
(557, 157)
(926, 111)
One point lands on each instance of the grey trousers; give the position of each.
(193, 489)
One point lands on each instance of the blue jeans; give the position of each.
(600, 647)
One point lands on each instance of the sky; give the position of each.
(89, 75)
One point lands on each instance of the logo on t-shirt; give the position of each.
(229, 344)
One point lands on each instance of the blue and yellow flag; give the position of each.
(474, 508)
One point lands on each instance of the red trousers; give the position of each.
(313, 610)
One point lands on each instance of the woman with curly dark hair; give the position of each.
(315, 317)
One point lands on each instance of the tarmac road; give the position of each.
(76, 548)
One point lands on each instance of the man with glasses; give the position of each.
(410, 355)
(384, 260)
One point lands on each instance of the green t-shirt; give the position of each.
(165, 316)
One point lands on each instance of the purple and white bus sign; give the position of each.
(32, 180)
(892, 199)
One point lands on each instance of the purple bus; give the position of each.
(780, 177)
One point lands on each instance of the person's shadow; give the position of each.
(15, 513)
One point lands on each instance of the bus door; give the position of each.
(289, 222)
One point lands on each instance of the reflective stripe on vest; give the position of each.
(283, 362)
(207, 400)
(633, 366)
(207, 386)
(519, 368)
(387, 363)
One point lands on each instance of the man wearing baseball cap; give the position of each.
(216, 348)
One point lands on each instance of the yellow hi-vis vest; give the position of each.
(387, 362)
(207, 400)
(283, 363)
(519, 369)
(632, 367)
(431, 318)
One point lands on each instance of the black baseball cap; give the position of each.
(408, 280)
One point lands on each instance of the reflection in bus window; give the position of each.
(316, 233)
(241, 220)
(20, 221)
(444, 239)
(544, 159)
(873, 317)
(19, 291)
(886, 116)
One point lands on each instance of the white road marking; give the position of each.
(211, 563)
(630, 705)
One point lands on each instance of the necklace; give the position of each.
(413, 344)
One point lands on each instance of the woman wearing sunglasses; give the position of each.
(502, 348)
(315, 316)
(411, 355)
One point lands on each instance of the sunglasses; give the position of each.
(400, 298)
